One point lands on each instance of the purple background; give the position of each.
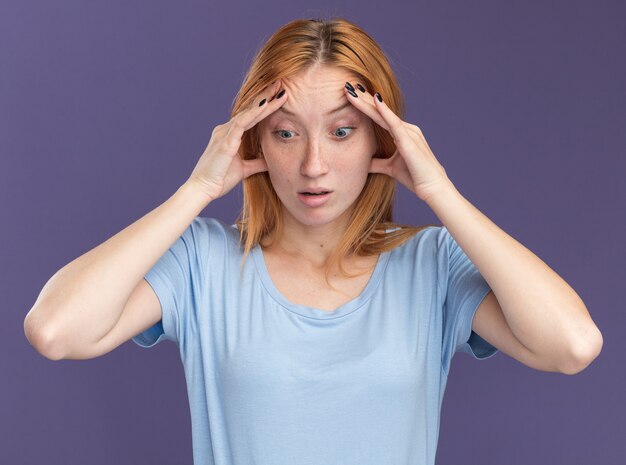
(105, 107)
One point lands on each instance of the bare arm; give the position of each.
(84, 300)
(95, 302)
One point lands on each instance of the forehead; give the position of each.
(318, 90)
(319, 77)
(331, 112)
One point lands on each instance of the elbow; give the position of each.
(42, 341)
(585, 352)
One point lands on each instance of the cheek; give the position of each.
(276, 161)
(278, 172)
(274, 152)
(360, 160)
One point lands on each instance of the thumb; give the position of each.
(256, 165)
(379, 165)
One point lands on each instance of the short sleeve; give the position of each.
(463, 288)
(172, 279)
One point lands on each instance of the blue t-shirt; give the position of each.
(273, 383)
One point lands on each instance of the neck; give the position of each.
(314, 244)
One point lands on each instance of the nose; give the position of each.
(314, 163)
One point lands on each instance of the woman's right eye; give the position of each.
(277, 132)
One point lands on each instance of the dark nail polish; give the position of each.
(380, 99)
(349, 86)
(280, 94)
(262, 102)
(353, 93)
(361, 88)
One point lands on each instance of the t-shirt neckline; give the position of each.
(312, 312)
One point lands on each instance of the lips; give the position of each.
(315, 191)
(313, 200)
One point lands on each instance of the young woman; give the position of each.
(315, 330)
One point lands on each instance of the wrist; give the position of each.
(442, 189)
(193, 193)
(446, 203)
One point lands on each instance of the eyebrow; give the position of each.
(336, 110)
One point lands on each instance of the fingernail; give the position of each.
(280, 94)
(349, 86)
(262, 102)
(360, 87)
(380, 99)
(353, 93)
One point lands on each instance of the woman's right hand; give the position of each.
(219, 169)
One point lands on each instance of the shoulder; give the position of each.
(208, 233)
(212, 226)
(436, 237)
(420, 250)
(427, 237)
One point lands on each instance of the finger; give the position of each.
(370, 110)
(365, 103)
(259, 104)
(254, 166)
(389, 166)
(382, 165)
(379, 165)
(255, 113)
(275, 102)
(418, 137)
(395, 125)
(259, 101)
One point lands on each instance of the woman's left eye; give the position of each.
(342, 129)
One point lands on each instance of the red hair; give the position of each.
(293, 49)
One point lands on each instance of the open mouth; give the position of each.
(314, 199)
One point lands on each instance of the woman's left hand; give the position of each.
(413, 163)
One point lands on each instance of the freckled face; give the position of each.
(309, 147)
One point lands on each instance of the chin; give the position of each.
(314, 218)
(317, 217)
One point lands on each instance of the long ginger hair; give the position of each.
(292, 49)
